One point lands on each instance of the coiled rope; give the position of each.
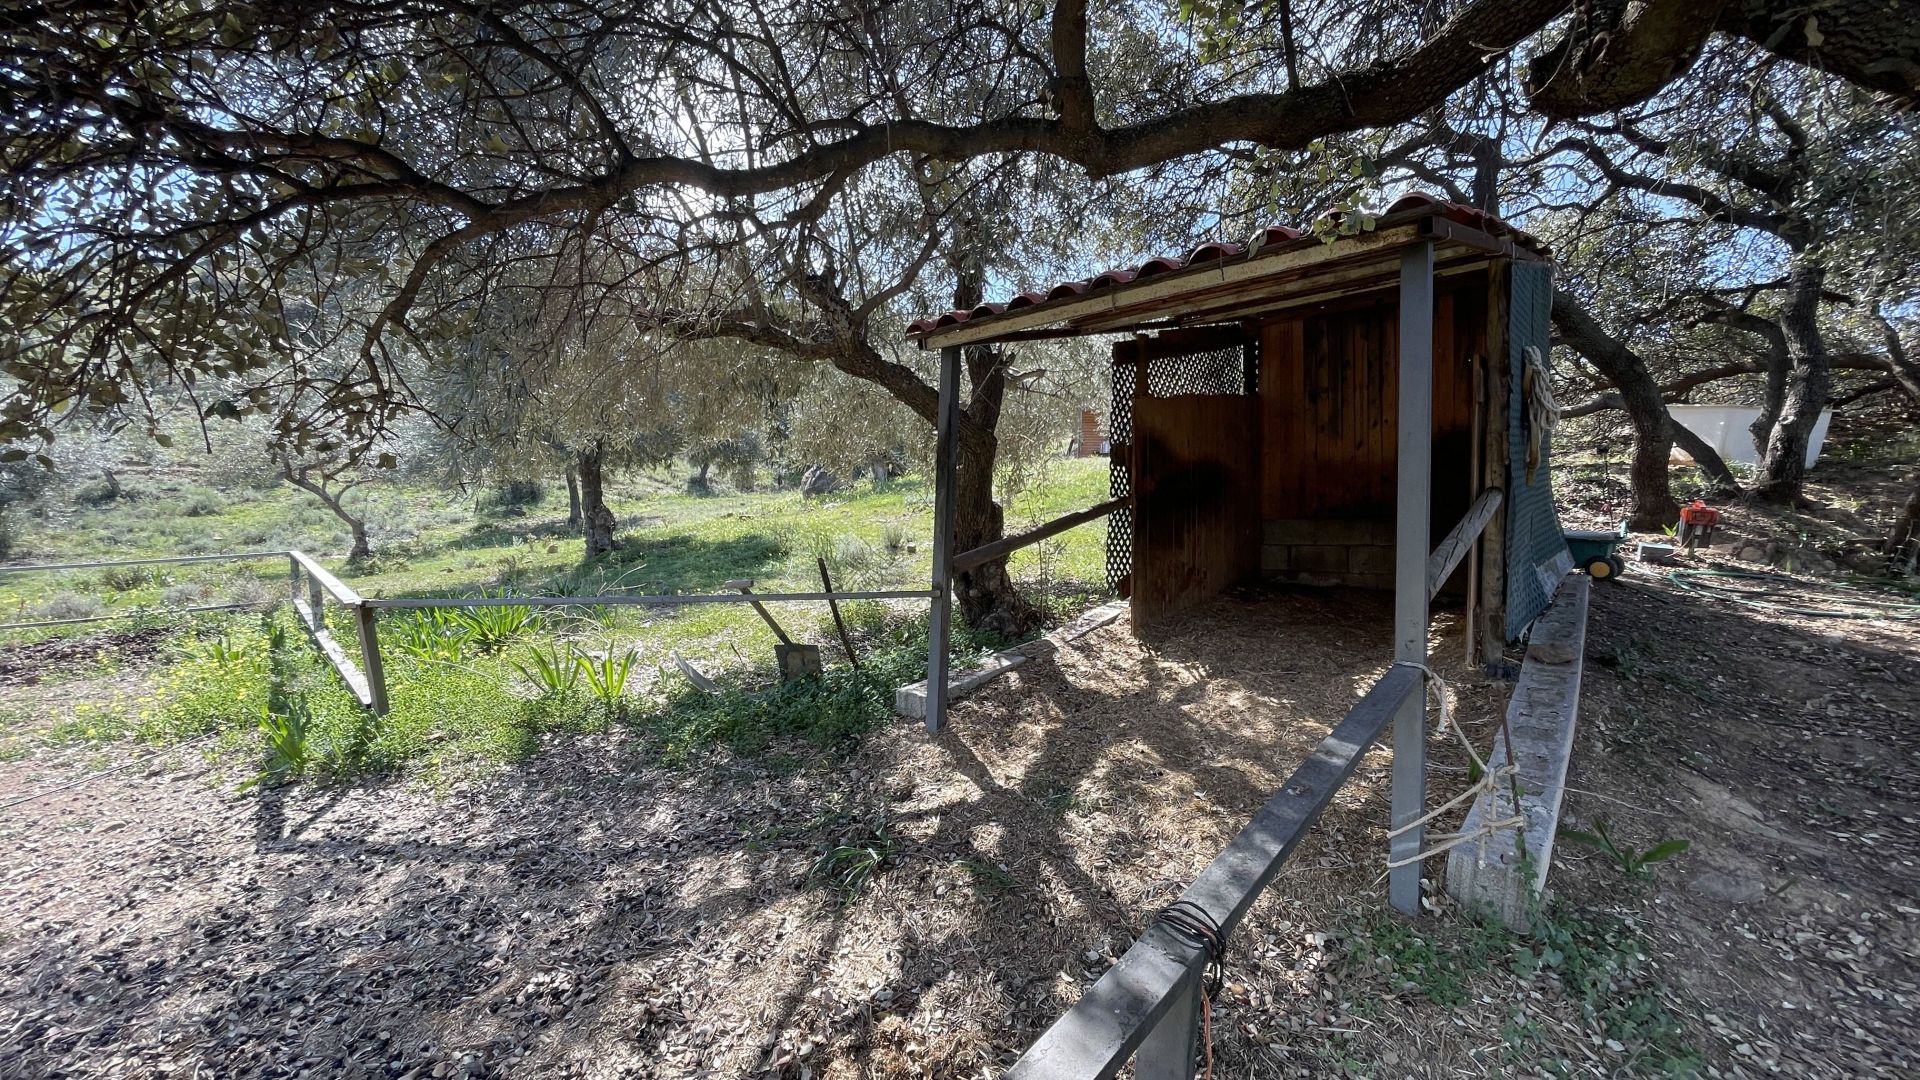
(1489, 782)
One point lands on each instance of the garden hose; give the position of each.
(1771, 596)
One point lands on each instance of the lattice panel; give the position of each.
(1120, 476)
(1233, 369)
(1215, 371)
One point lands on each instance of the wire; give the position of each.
(122, 767)
(1772, 595)
(1192, 922)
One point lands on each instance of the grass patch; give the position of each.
(828, 711)
(1596, 962)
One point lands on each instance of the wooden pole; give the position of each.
(1493, 466)
(367, 620)
(1413, 505)
(944, 475)
(826, 584)
(1476, 429)
(1007, 545)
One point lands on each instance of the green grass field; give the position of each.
(480, 692)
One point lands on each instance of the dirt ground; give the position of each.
(587, 914)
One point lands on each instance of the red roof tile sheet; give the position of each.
(1413, 205)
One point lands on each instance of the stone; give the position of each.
(818, 481)
(1550, 652)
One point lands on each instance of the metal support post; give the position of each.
(1173, 1046)
(944, 474)
(1412, 507)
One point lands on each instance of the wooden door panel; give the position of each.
(1196, 522)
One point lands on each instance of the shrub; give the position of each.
(129, 578)
(69, 605)
(185, 594)
(201, 504)
(512, 497)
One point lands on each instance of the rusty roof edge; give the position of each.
(1270, 259)
(1437, 218)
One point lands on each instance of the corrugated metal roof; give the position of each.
(1406, 208)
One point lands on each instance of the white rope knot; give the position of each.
(1489, 783)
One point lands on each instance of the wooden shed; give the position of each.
(1315, 408)
(1259, 404)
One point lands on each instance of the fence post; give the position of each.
(1411, 538)
(366, 619)
(315, 597)
(293, 577)
(1172, 1047)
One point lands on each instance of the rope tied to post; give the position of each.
(1489, 782)
(1192, 922)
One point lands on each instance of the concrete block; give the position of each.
(1370, 559)
(910, 700)
(1318, 559)
(1507, 872)
(1384, 531)
(1287, 531)
(1312, 531)
(1275, 558)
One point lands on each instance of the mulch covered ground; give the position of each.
(587, 914)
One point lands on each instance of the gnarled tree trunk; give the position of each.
(1906, 527)
(334, 499)
(598, 521)
(1653, 502)
(986, 594)
(1783, 471)
(575, 518)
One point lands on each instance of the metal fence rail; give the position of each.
(311, 586)
(623, 599)
(103, 564)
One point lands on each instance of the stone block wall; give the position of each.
(1333, 552)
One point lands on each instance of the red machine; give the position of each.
(1697, 522)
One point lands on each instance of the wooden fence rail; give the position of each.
(1149, 1001)
(1457, 543)
(1007, 545)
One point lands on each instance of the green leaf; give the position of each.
(1584, 838)
(1665, 849)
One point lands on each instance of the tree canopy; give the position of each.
(282, 206)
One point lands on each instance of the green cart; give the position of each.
(1597, 551)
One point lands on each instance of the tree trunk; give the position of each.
(1783, 471)
(334, 500)
(1906, 527)
(1774, 399)
(1653, 502)
(1906, 373)
(599, 521)
(574, 516)
(987, 597)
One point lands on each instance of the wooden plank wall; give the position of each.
(1196, 478)
(1329, 390)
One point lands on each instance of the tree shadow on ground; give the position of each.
(587, 913)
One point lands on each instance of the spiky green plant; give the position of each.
(606, 674)
(490, 628)
(288, 754)
(552, 670)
